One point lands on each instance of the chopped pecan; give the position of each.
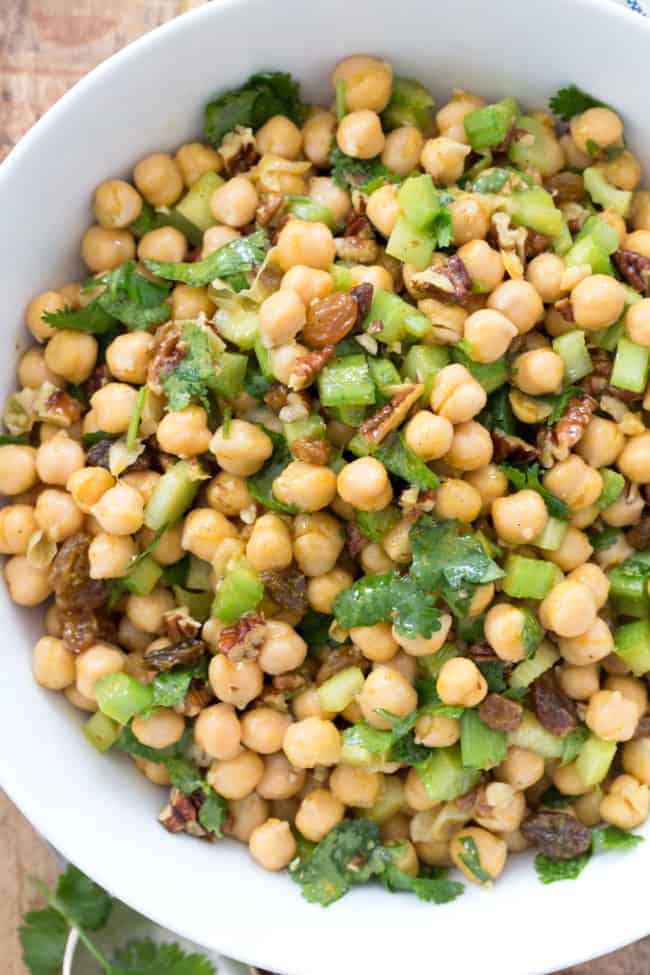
(180, 815)
(355, 539)
(330, 319)
(389, 416)
(168, 350)
(269, 208)
(311, 450)
(277, 700)
(639, 536)
(358, 225)
(307, 367)
(557, 835)
(61, 409)
(500, 713)
(359, 250)
(343, 657)
(601, 369)
(238, 150)
(624, 395)
(184, 653)
(243, 639)
(511, 448)
(634, 267)
(286, 587)
(180, 626)
(556, 711)
(566, 187)
(557, 442)
(199, 695)
(506, 238)
(289, 683)
(362, 294)
(98, 378)
(446, 280)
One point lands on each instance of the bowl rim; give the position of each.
(235, 942)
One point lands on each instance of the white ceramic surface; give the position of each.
(97, 810)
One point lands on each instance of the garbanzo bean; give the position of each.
(612, 716)
(28, 585)
(244, 450)
(117, 204)
(234, 204)
(504, 626)
(521, 768)
(569, 609)
(304, 243)
(579, 682)
(492, 852)
(483, 264)
(162, 244)
(308, 487)
(429, 436)
(538, 371)
(17, 525)
(461, 682)
(444, 159)
(53, 665)
(456, 395)
(319, 812)
(235, 778)
(235, 683)
(469, 220)
(71, 355)
(386, 688)
(458, 499)
(364, 483)
(599, 125)
(272, 844)
(626, 804)
(471, 447)
(636, 759)
(312, 742)
(318, 542)
(597, 301)
(98, 661)
(634, 459)
(279, 136)
(519, 518)
(317, 135)
(159, 180)
(545, 273)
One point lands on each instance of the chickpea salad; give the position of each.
(333, 481)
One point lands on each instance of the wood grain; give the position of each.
(45, 47)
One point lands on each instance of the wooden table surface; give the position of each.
(45, 46)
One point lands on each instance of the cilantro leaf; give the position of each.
(213, 812)
(407, 751)
(366, 175)
(230, 263)
(43, 936)
(572, 744)
(550, 871)
(528, 478)
(170, 687)
(494, 675)
(265, 94)
(553, 799)
(385, 598)
(350, 854)
(571, 100)
(183, 774)
(85, 903)
(147, 958)
(442, 229)
(127, 742)
(7, 438)
(470, 857)
(92, 319)
(260, 485)
(434, 887)
(402, 462)
(531, 633)
(559, 401)
(363, 735)
(613, 838)
(193, 378)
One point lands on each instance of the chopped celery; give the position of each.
(572, 349)
(342, 277)
(263, 356)
(604, 194)
(489, 126)
(534, 208)
(529, 670)
(121, 696)
(239, 592)
(229, 374)
(631, 366)
(608, 338)
(199, 574)
(602, 232)
(491, 375)
(563, 242)
(419, 201)
(552, 536)
(399, 319)
(195, 205)
(528, 578)
(236, 320)
(613, 484)
(470, 179)
(443, 775)
(531, 151)
(633, 646)
(375, 524)
(198, 604)
(142, 578)
(101, 731)
(172, 495)
(390, 802)
(594, 760)
(384, 375)
(481, 747)
(346, 381)
(422, 363)
(628, 593)
(532, 735)
(304, 208)
(310, 428)
(410, 245)
(354, 752)
(340, 690)
(587, 250)
(632, 297)
(351, 416)
(410, 104)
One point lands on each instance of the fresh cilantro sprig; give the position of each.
(431, 884)
(264, 95)
(196, 375)
(260, 485)
(471, 859)
(230, 263)
(400, 460)
(529, 479)
(571, 100)
(389, 597)
(572, 744)
(603, 840)
(366, 175)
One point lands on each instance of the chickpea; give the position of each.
(194, 159)
(322, 591)
(53, 665)
(599, 125)
(160, 729)
(519, 518)
(634, 459)
(636, 759)
(521, 768)
(631, 688)
(489, 333)
(484, 265)
(235, 683)
(359, 134)
(17, 525)
(158, 179)
(405, 664)
(469, 220)
(437, 731)
(98, 661)
(307, 704)
(396, 828)
(492, 852)
(471, 447)
(58, 459)
(396, 542)
(545, 273)
(185, 433)
(127, 357)
(280, 779)
(499, 807)
(594, 579)
(162, 244)
(601, 443)
(569, 609)
(519, 302)
(120, 510)
(307, 486)
(33, 370)
(386, 688)
(579, 682)
(373, 559)
(244, 450)
(317, 134)
(367, 80)
(461, 682)
(144, 482)
(104, 250)
(504, 626)
(269, 546)
(318, 543)
(49, 301)
(71, 355)
(308, 282)
(156, 772)
(188, 303)
(311, 742)
(364, 483)
(236, 778)
(356, 787)
(402, 149)
(262, 730)
(117, 204)
(429, 436)
(376, 642)
(319, 812)
(450, 117)
(57, 515)
(114, 405)
(228, 494)
(280, 137)
(324, 190)
(282, 650)
(456, 395)
(283, 360)
(281, 317)
(234, 204)
(612, 716)
(420, 646)
(374, 274)
(17, 469)
(574, 550)
(624, 171)
(538, 371)
(247, 814)
(148, 612)
(587, 807)
(304, 243)
(77, 700)
(28, 585)
(490, 482)
(132, 637)
(597, 301)
(458, 499)
(216, 237)
(444, 159)
(203, 530)
(574, 482)
(626, 804)
(272, 844)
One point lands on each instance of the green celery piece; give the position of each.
(195, 205)
(384, 375)
(528, 578)
(529, 670)
(631, 366)
(633, 646)
(240, 591)
(489, 126)
(419, 201)
(604, 194)
(532, 735)
(101, 731)
(402, 462)
(613, 484)
(564, 241)
(304, 208)
(471, 176)
(608, 338)
(587, 250)
(263, 356)
(628, 594)
(120, 696)
(236, 319)
(142, 578)
(230, 369)
(172, 496)
(151, 219)
(444, 777)
(572, 349)
(229, 263)
(375, 524)
(398, 318)
(594, 760)
(350, 416)
(199, 604)
(346, 381)
(310, 428)
(390, 801)
(600, 231)
(341, 276)
(527, 153)
(410, 104)
(481, 747)
(552, 536)
(410, 245)
(431, 664)
(341, 689)
(422, 363)
(491, 375)
(199, 574)
(535, 208)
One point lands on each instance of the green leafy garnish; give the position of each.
(6, 438)
(350, 854)
(572, 744)
(613, 838)
(148, 958)
(603, 840)
(433, 885)
(230, 264)
(366, 175)
(402, 462)
(531, 633)
(260, 485)
(385, 598)
(553, 799)
(264, 95)
(43, 936)
(136, 416)
(470, 857)
(528, 478)
(90, 439)
(571, 100)
(196, 375)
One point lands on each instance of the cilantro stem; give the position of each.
(340, 99)
(90, 947)
(134, 423)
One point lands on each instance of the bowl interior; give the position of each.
(97, 810)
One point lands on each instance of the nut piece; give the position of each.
(557, 442)
(243, 639)
(180, 816)
(391, 415)
(634, 267)
(307, 367)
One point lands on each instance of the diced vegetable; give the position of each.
(172, 495)
(142, 578)
(628, 593)
(443, 775)
(633, 646)
(481, 747)
(311, 428)
(121, 697)
(529, 670)
(195, 205)
(602, 192)
(528, 578)
(489, 126)
(631, 366)
(572, 349)
(552, 536)
(240, 591)
(602, 232)
(346, 381)
(410, 104)
(594, 761)
(535, 208)
(613, 484)
(340, 690)
(419, 201)
(422, 363)
(101, 731)
(397, 317)
(587, 250)
(532, 735)
(410, 245)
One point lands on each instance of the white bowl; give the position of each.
(97, 810)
